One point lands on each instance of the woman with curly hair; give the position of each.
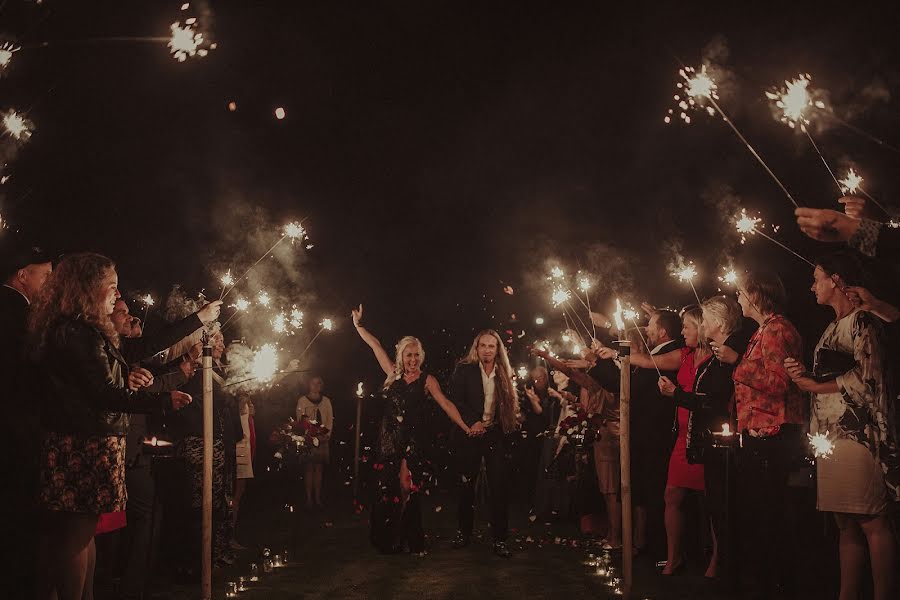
(86, 387)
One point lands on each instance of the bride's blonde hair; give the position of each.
(398, 358)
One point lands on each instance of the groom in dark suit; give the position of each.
(483, 391)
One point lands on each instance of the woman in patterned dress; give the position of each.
(401, 468)
(87, 387)
(851, 407)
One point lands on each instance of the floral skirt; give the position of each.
(82, 473)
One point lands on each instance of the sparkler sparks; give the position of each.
(557, 273)
(560, 296)
(227, 279)
(17, 126)
(747, 225)
(584, 284)
(686, 273)
(279, 324)
(264, 299)
(730, 277)
(185, 42)
(821, 445)
(539, 321)
(296, 318)
(241, 304)
(794, 101)
(693, 92)
(522, 372)
(148, 300)
(327, 324)
(265, 363)
(6, 53)
(851, 183)
(294, 231)
(630, 314)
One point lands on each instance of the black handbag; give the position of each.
(832, 363)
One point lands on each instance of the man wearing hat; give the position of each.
(24, 271)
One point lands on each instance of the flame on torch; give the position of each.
(618, 317)
(359, 390)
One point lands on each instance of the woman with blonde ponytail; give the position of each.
(401, 467)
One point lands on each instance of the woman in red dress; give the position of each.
(684, 477)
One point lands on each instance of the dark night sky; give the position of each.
(438, 150)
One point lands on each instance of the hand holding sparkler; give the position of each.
(210, 312)
(863, 299)
(139, 378)
(666, 387)
(179, 399)
(725, 354)
(855, 207)
(826, 225)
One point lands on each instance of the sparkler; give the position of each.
(185, 42)
(560, 296)
(6, 54)
(730, 277)
(325, 325)
(852, 184)
(296, 318)
(227, 280)
(584, 284)
(796, 104)
(264, 299)
(821, 445)
(557, 273)
(687, 273)
(700, 88)
(522, 372)
(747, 225)
(279, 324)
(17, 126)
(265, 363)
(148, 302)
(539, 321)
(293, 230)
(241, 305)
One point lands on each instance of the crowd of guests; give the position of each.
(723, 404)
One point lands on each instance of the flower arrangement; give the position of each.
(297, 438)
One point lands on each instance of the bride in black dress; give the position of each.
(401, 469)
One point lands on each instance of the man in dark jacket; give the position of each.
(24, 271)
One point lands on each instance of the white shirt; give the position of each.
(660, 347)
(487, 382)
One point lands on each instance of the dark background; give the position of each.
(438, 151)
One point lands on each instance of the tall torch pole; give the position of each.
(206, 551)
(625, 463)
(359, 398)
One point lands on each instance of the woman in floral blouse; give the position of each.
(769, 410)
(851, 408)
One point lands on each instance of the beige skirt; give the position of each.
(850, 481)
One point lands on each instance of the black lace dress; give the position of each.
(394, 523)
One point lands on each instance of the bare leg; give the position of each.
(65, 556)
(640, 527)
(881, 552)
(852, 546)
(674, 518)
(405, 481)
(89, 574)
(714, 559)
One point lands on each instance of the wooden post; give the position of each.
(625, 463)
(356, 445)
(206, 551)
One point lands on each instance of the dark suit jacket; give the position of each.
(13, 316)
(467, 392)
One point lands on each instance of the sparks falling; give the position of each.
(851, 183)
(630, 314)
(584, 284)
(686, 273)
(522, 372)
(241, 304)
(264, 299)
(327, 324)
(265, 363)
(296, 318)
(227, 279)
(746, 225)
(279, 324)
(148, 300)
(821, 445)
(6, 54)
(794, 101)
(730, 277)
(17, 126)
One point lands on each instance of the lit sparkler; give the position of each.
(295, 231)
(241, 304)
(557, 273)
(687, 273)
(852, 184)
(327, 324)
(701, 86)
(17, 126)
(227, 279)
(821, 445)
(6, 53)
(265, 363)
(539, 321)
(730, 277)
(630, 314)
(560, 296)
(185, 41)
(522, 372)
(148, 301)
(279, 323)
(264, 299)
(584, 284)
(296, 318)
(747, 225)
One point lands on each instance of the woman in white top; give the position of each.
(317, 408)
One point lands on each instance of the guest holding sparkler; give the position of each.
(317, 408)
(870, 237)
(769, 410)
(546, 405)
(401, 465)
(860, 475)
(86, 387)
(708, 406)
(482, 389)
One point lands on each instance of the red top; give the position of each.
(764, 394)
(682, 474)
